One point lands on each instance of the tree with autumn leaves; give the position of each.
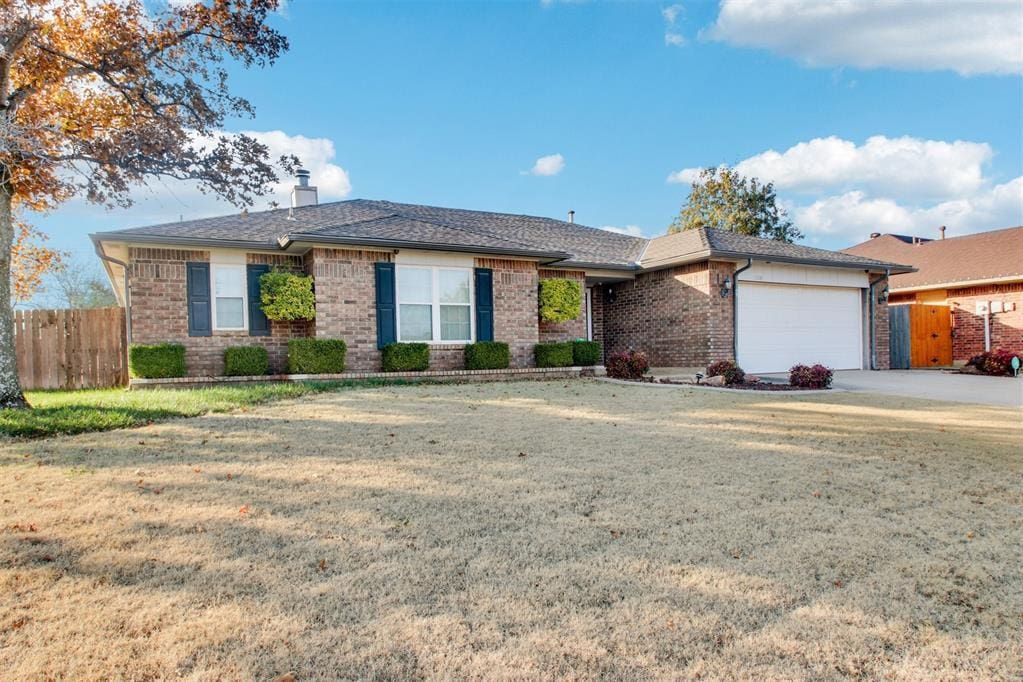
(97, 97)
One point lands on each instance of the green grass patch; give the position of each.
(56, 413)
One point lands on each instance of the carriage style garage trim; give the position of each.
(685, 299)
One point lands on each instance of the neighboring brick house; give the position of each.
(388, 272)
(979, 277)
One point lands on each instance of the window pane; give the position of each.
(454, 323)
(416, 323)
(230, 313)
(229, 282)
(415, 285)
(454, 286)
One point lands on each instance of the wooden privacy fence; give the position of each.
(71, 348)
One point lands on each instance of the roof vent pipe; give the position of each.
(571, 216)
(942, 230)
(303, 194)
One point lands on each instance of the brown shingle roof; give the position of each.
(994, 255)
(706, 242)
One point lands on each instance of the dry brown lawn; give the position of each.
(522, 530)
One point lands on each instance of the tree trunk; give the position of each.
(10, 388)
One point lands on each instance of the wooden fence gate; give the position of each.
(71, 348)
(919, 336)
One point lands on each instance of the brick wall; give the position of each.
(346, 301)
(573, 329)
(159, 310)
(597, 312)
(676, 316)
(881, 331)
(515, 306)
(968, 327)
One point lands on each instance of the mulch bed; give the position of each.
(754, 386)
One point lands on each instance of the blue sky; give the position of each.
(890, 122)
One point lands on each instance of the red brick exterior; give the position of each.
(515, 306)
(573, 329)
(159, 312)
(882, 357)
(345, 281)
(1006, 328)
(676, 316)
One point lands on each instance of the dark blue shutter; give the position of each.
(386, 309)
(258, 324)
(484, 304)
(197, 281)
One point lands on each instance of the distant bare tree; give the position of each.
(79, 283)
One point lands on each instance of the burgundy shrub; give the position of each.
(732, 373)
(817, 376)
(627, 365)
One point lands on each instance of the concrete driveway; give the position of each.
(936, 385)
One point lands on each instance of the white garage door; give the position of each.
(781, 325)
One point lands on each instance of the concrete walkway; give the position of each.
(936, 385)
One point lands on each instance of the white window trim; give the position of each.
(435, 305)
(213, 296)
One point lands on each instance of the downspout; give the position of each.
(127, 288)
(735, 308)
(873, 322)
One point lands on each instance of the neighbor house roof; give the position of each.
(971, 259)
(705, 242)
(389, 224)
(392, 225)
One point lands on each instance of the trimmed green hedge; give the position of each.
(285, 296)
(558, 354)
(159, 361)
(561, 300)
(405, 357)
(487, 355)
(585, 353)
(246, 361)
(316, 356)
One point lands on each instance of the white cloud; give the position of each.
(852, 216)
(630, 230)
(933, 35)
(166, 200)
(672, 38)
(909, 166)
(671, 15)
(548, 165)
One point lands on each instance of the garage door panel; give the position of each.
(782, 325)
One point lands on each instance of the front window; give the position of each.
(434, 304)
(229, 297)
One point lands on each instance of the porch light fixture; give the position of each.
(726, 287)
(883, 296)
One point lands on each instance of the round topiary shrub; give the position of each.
(285, 296)
(561, 300)
(732, 373)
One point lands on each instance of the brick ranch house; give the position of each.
(387, 272)
(979, 277)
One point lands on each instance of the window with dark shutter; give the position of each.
(197, 280)
(386, 320)
(484, 304)
(258, 324)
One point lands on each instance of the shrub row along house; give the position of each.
(385, 272)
